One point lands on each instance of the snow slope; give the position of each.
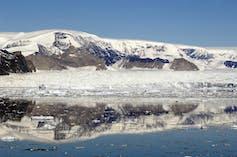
(73, 83)
(56, 41)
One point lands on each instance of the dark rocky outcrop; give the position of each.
(181, 64)
(43, 50)
(80, 57)
(44, 62)
(230, 64)
(193, 53)
(110, 56)
(31, 65)
(132, 61)
(2, 72)
(72, 57)
(14, 63)
(139, 64)
(230, 109)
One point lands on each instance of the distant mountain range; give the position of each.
(62, 49)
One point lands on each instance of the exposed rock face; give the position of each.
(230, 64)
(139, 64)
(71, 57)
(2, 72)
(62, 40)
(110, 56)
(14, 63)
(181, 64)
(132, 61)
(80, 57)
(44, 62)
(31, 65)
(195, 54)
(43, 50)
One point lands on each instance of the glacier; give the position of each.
(128, 83)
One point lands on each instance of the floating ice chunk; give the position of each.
(8, 139)
(80, 147)
(234, 127)
(42, 118)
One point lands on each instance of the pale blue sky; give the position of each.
(196, 22)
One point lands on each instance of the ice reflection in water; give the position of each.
(81, 119)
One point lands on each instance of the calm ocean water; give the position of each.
(211, 142)
(118, 128)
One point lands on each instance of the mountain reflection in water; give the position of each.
(53, 120)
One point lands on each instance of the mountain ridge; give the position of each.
(116, 52)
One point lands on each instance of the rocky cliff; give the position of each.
(14, 63)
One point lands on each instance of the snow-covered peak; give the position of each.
(27, 43)
(56, 41)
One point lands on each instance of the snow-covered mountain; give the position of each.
(59, 49)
